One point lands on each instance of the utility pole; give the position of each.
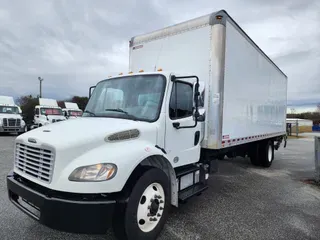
(40, 80)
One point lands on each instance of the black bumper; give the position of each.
(76, 216)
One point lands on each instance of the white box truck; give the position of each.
(147, 139)
(47, 112)
(71, 110)
(10, 117)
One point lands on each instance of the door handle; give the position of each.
(176, 125)
(196, 138)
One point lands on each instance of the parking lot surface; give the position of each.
(242, 202)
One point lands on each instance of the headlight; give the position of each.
(0, 121)
(23, 123)
(94, 173)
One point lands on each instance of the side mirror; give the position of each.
(91, 89)
(201, 117)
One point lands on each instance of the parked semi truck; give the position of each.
(10, 116)
(71, 110)
(148, 140)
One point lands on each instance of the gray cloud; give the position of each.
(74, 44)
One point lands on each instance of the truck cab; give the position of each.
(44, 115)
(131, 123)
(71, 110)
(47, 112)
(10, 116)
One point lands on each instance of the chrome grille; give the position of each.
(34, 161)
(11, 122)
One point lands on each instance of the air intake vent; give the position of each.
(125, 135)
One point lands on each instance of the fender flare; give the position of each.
(156, 159)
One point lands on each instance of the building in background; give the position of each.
(292, 109)
(298, 125)
(301, 122)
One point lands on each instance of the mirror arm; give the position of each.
(196, 114)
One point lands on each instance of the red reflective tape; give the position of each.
(223, 142)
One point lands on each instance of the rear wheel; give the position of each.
(146, 212)
(267, 153)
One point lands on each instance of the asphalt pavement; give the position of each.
(242, 202)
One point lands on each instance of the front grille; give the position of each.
(11, 122)
(34, 161)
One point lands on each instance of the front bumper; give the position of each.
(59, 210)
(11, 129)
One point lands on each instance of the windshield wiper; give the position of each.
(121, 111)
(91, 113)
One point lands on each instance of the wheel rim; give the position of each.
(150, 208)
(270, 153)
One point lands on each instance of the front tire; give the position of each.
(146, 212)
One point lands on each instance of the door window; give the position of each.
(181, 101)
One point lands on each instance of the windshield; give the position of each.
(132, 97)
(51, 111)
(9, 110)
(75, 113)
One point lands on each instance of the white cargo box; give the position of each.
(6, 100)
(71, 105)
(48, 102)
(246, 93)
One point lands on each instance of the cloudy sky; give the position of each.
(74, 44)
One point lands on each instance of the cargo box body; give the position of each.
(245, 96)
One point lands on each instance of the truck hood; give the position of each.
(88, 132)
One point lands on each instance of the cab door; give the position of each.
(182, 139)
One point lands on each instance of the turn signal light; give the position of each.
(141, 70)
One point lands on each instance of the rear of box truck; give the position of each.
(245, 92)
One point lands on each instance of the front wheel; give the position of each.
(147, 209)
